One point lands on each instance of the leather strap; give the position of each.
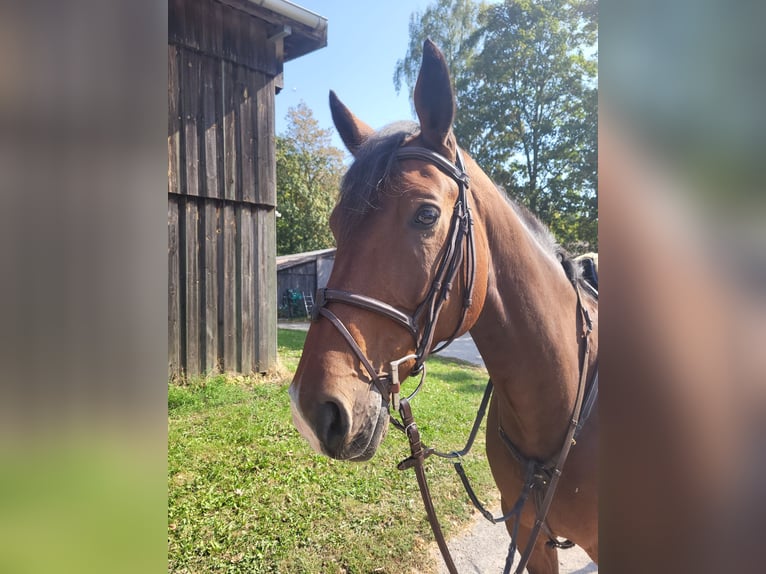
(418, 456)
(376, 378)
(455, 171)
(542, 511)
(325, 296)
(591, 396)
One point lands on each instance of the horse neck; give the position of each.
(526, 332)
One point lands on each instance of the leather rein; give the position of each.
(459, 247)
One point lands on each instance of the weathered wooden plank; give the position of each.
(231, 171)
(266, 165)
(214, 24)
(265, 286)
(176, 21)
(276, 22)
(229, 290)
(203, 16)
(192, 308)
(230, 24)
(193, 23)
(225, 201)
(214, 29)
(212, 140)
(245, 41)
(247, 290)
(210, 276)
(174, 123)
(279, 54)
(191, 111)
(262, 53)
(174, 294)
(247, 87)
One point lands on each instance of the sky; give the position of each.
(365, 39)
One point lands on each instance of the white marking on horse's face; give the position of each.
(300, 422)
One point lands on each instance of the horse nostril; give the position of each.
(332, 427)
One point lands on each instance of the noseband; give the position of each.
(459, 245)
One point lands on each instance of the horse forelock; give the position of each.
(370, 174)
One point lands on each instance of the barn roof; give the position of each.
(287, 261)
(303, 30)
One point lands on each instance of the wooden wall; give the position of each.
(305, 277)
(222, 74)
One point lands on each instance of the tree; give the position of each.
(530, 110)
(525, 80)
(450, 24)
(309, 171)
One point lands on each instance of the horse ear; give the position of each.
(353, 131)
(434, 98)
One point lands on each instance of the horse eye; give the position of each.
(427, 216)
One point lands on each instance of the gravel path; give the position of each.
(482, 547)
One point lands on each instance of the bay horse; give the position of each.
(428, 248)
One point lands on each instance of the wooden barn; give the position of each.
(303, 273)
(225, 60)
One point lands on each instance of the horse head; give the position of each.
(410, 269)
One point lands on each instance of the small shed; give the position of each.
(225, 60)
(303, 273)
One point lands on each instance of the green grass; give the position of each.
(247, 494)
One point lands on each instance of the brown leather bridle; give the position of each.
(458, 247)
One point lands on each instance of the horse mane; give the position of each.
(545, 238)
(371, 173)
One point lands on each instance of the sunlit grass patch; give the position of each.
(247, 494)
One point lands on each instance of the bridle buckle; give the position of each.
(396, 385)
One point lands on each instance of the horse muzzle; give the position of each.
(339, 430)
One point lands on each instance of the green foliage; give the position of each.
(451, 33)
(246, 493)
(531, 105)
(309, 170)
(525, 83)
